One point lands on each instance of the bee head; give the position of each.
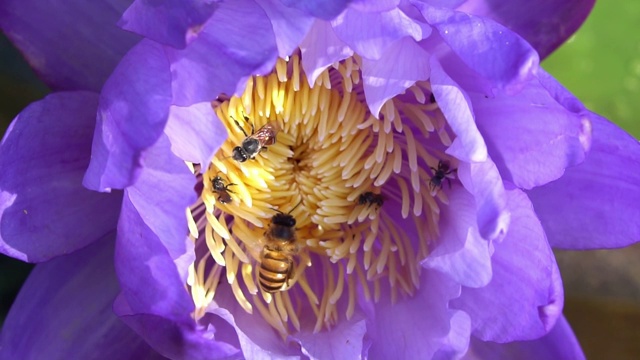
(365, 197)
(216, 181)
(281, 219)
(443, 165)
(239, 154)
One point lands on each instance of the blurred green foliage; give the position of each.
(600, 64)
(19, 85)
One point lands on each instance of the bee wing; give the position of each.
(255, 249)
(266, 135)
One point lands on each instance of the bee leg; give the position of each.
(449, 182)
(264, 148)
(248, 121)
(240, 127)
(229, 190)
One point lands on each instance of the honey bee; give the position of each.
(439, 174)
(370, 198)
(222, 189)
(256, 142)
(277, 264)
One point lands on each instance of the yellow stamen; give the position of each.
(339, 172)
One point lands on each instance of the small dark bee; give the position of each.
(277, 263)
(256, 142)
(370, 198)
(222, 189)
(439, 174)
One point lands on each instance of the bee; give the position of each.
(222, 189)
(439, 174)
(256, 142)
(277, 264)
(370, 198)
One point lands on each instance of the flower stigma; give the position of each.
(350, 181)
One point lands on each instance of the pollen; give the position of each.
(314, 204)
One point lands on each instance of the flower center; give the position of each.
(302, 208)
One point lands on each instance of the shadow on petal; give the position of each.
(559, 343)
(44, 209)
(64, 311)
(603, 187)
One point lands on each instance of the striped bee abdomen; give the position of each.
(274, 270)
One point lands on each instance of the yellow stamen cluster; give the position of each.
(329, 151)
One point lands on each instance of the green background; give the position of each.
(601, 66)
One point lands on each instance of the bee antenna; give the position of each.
(244, 115)
(290, 211)
(298, 204)
(239, 126)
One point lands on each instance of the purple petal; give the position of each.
(451, 4)
(170, 22)
(559, 343)
(404, 63)
(235, 43)
(44, 210)
(456, 107)
(457, 341)
(260, 341)
(64, 311)
(545, 24)
(417, 327)
(321, 48)
(531, 137)
(256, 337)
(563, 96)
(489, 48)
(195, 132)
(483, 181)
(355, 29)
(290, 25)
(72, 45)
(154, 300)
(150, 281)
(162, 193)
(133, 110)
(324, 9)
(604, 187)
(341, 342)
(524, 297)
(379, 5)
(175, 339)
(460, 251)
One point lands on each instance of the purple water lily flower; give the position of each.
(411, 166)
